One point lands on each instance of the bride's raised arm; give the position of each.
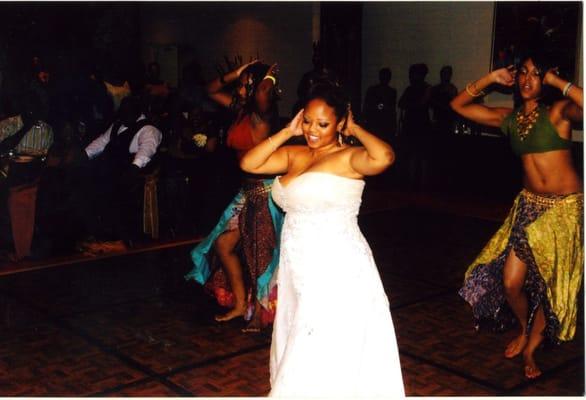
(268, 157)
(376, 155)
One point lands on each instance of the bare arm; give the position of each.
(267, 157)
(573, 106)
(491, 116)
(214, 88)
(376, 155)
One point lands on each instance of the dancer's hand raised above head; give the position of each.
(504, 76)
(550, 76)
(273, 70)
(241, 68)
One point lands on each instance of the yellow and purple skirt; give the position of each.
(546, 233)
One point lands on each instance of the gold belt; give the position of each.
(545, 200)
(257, 190)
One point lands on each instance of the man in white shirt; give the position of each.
(143, 144)
(118, 156)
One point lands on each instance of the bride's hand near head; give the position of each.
(268, 157)
(294, 126)
(374, 156)
(350, 126)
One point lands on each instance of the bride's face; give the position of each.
(319, 124)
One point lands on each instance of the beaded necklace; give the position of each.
(526, 122)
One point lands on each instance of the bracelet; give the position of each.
(272, 78)
(567, 88)
(481, 93)
(272, 144)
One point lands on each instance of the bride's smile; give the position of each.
(319, 124)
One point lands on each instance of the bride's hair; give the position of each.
(332, 94)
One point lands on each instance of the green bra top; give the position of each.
(542, 137)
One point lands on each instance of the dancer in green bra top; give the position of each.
(547, 138)
(531, 270)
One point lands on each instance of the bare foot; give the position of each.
(233, 313)
(532, 371)
(516, 346)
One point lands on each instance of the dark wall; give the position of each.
(341, 37)
(66, 37)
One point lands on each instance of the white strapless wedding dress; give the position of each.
(333, 335)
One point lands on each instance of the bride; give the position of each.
(333, 335)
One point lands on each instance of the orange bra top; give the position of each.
(240, 136)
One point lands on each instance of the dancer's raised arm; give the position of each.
(464, 104)
(214, 88)
(572, 107)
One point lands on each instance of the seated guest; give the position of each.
(114, 181)
(194, 136)
(24, 140)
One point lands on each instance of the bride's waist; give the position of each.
(322, 221)
(321, 216)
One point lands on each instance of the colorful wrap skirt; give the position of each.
(546, 233)
(259, 220)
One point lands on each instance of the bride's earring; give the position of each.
(340, 139)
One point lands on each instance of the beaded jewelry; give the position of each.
(526, 122)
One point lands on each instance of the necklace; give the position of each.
(526, 122)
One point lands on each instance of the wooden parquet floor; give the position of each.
(132, 326)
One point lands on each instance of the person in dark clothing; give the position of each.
(113, 177)
(320, 72)
(379, 110)
(441, 95)
(416, 125)
(40, 86)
